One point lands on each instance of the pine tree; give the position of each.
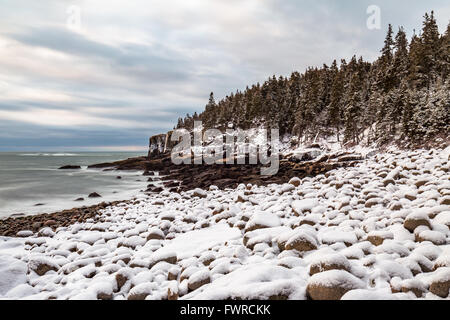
(440, 109)
(430, 49)
(401, 59)
(386, 76)
(408, 125)
(386, 51)
(373, 105)
(407, 88)
(444, 54)
(335, 106)
(352, 110)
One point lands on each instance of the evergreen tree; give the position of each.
(401, 59)
(335, 106)
(430, 47)
(406, 90)
(352, 110)
(444, 54)
(386, 51)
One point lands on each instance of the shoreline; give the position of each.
(377, 230)
(174, 178)
(10, 226)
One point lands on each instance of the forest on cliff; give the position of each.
(403, 96)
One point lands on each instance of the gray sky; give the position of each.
(129, 69)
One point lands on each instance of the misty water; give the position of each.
(29, 179)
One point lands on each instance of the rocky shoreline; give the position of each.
(12, 226)
(188, 177)
(379, 229)
(180, 178)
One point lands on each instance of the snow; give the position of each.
(12, 273)
(163, 254)
(336, 278)
(195, 242)
(434, 236)
(443, 218)
(264, 219)
(441, 275)
(420, 214)
(368, 294)
(395, 269)
(299, 206)
(259, 280)
(301, 236)
(21, 291)
(244, 249)
(24, 233)
(331, 259)
(333, 235)
(443, 260)
(384, 234)
(200, 275)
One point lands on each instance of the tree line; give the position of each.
(404, 95)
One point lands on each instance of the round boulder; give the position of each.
(332, 285)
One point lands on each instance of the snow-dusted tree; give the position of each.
(352, 110)
(335, 108)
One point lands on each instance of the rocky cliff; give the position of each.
(160, 144)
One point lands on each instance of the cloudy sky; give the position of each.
(107, 74)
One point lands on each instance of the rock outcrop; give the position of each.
(160, 144)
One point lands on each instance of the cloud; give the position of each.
(135, 67)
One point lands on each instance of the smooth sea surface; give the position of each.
(30, 182)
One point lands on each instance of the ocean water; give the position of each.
(30, 183)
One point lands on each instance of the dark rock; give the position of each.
(36, 225)
(440, 288)
(41, 267)
(70, 167)
(121, 280)
(94, 195)
(155, 189)
(50, 223)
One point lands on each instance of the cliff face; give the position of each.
(160, 144)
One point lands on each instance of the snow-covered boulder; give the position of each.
(329, 262)
(332, 285)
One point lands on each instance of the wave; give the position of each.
(49, 154)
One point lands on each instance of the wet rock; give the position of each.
(69, 167)
(36, 225)
(295, 181)
(94, 195)
(50, 223)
